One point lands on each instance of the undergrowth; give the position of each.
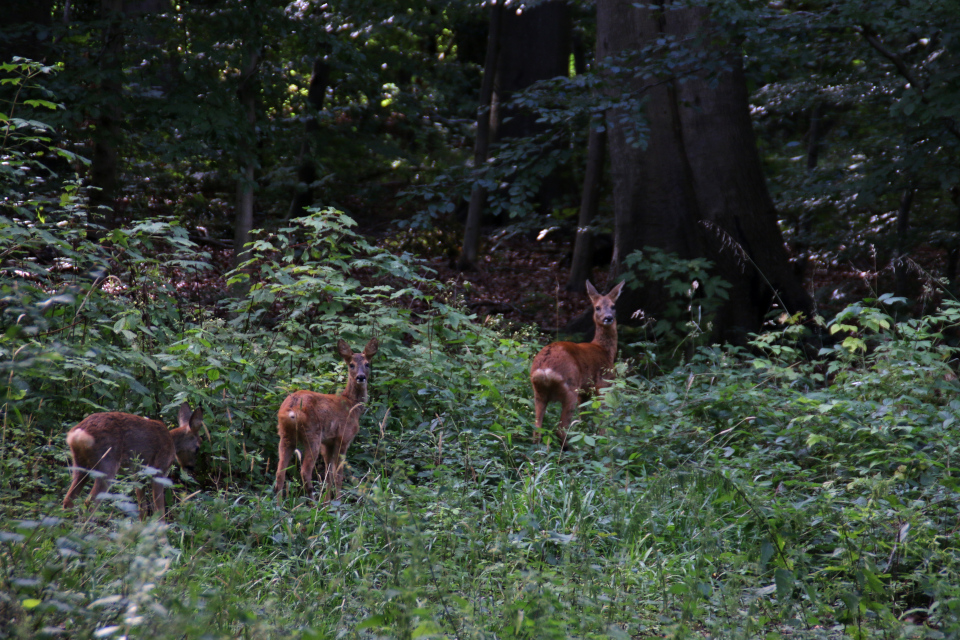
(747, 492)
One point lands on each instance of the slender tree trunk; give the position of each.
(814, 134)
(697, 189)
(471, 233)
(307, 171)
(903, 228)
(246, 184)
(589, 201)
(953, 255)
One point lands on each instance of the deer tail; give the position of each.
(546, 377)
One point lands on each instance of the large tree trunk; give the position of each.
(697, 189)
(104, 165)
(307, 171)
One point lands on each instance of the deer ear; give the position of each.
(592, 292)
(371, 349)
(196, 421)
(615, 292)
(183, 417)
(344, 350)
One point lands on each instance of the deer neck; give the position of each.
(605, 337)
(355, 393)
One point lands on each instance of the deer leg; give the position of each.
(540, 409)
(142, 506)
(329, 470)
(568, 411)
(80, 478)
(306, 469)
(159, 500)
(102, 482)
(339, 461)
(286, 452)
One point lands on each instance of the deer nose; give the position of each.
(361, 377)
(608, 319)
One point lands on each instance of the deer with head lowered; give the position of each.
(325, 424)
(105, 442)
(569, 372)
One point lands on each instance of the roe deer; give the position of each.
(325, 423)
(568, 372)
(105, 442)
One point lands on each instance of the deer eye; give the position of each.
(598, 308)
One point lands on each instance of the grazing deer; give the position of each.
(568, 372)
(325, 423)
(105, 442)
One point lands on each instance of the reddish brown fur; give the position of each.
(325, 423)
(569, 372)
(107, 442)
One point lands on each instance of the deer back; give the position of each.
(112, 439)
(308, 415)
(576, 365)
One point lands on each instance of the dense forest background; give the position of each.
(199, 198)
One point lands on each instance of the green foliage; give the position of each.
(744, 492)
(692, 294)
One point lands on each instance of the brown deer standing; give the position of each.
(325, 423)
(568, 372)
(105, 442)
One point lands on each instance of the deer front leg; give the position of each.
(107, 470)
(159, 500)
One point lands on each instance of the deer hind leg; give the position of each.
(309, 463)
(568, 411)
(540, 409)
(285, 454)
(80, 477)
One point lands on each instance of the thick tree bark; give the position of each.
(697, 189)
(246, 183)
(589, 201)
(307, 171)
(485, 114)
(104, 165)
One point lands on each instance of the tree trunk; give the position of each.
(589, 201)
(246, 183)
(105, 161)
(697, 189)
(903, 228)
(23, 21)
(485, 113)
(307, 171)
(523, 47)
